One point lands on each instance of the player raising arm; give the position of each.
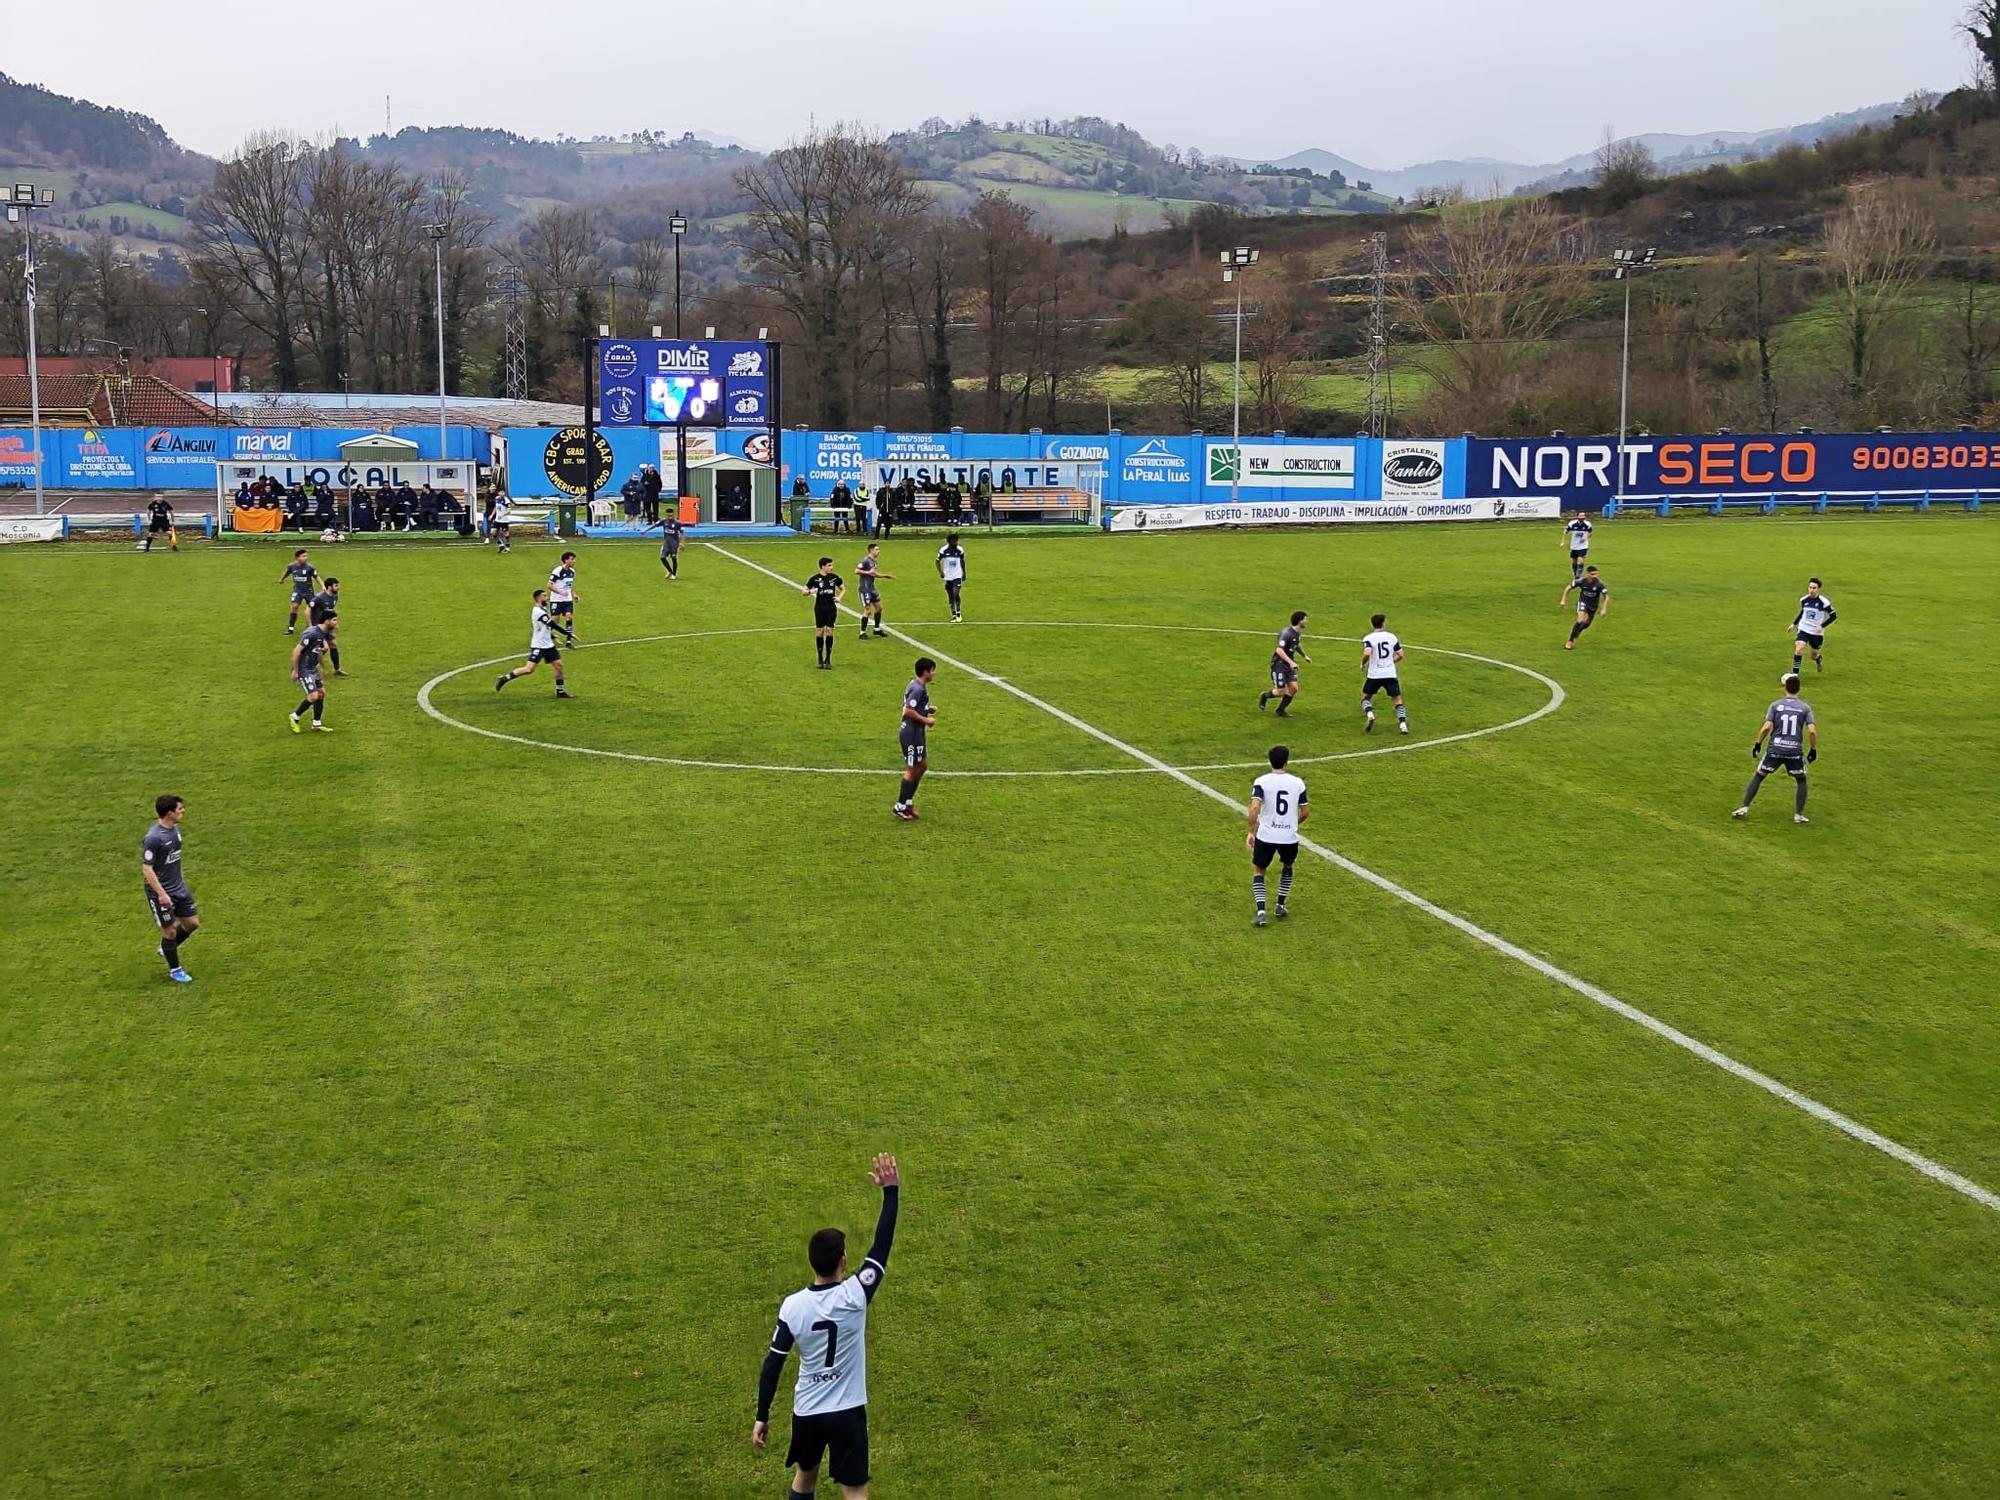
(827, 1323)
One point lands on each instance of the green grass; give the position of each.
(99, 215)
(1332, 386)
(481, 1152)
(1930, 321)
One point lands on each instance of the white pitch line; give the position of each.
(424, 702)
(1821, 1112)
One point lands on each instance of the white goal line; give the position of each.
(1823, 1113)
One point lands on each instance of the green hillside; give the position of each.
(1087, 177)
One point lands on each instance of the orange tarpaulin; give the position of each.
(256, 518)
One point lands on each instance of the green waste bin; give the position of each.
(566, 517)
(798, 514)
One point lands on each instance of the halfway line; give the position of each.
(1854, 1128)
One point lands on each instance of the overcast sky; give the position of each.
(1386, 84)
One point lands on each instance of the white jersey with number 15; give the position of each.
(1381, 646)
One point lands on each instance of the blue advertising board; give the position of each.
(635, 381)
(1583, 473)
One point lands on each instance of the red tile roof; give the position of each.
(104, 401)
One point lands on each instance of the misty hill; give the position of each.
(1675, 153)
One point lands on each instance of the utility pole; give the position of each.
(21, 208)
(437, 234)
(678, 227)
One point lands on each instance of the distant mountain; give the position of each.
(1484, 175)
(39, 127)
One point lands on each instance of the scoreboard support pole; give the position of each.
(590, 423)
(777, 430)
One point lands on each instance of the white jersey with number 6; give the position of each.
(1282, 795)
(1381, 646)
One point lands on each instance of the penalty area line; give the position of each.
(1825, 1114)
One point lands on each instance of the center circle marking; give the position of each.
(1555, 701)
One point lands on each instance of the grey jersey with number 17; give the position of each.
(1789, 718)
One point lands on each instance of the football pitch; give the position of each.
(529, 1039)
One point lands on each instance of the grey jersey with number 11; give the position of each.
(1789, 719)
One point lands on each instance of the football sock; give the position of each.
(1796, 660)
(1750, 791)
(1262, 699)
(1799, 795)
(1401, 714)
(559, 682)
(181, 940)
(334, 652)
(1257, 890)
(304, 704)
(1368, 708)
(1284, 884)
(1576, 630)
(319, 710)
(170, 948)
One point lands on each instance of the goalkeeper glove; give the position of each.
(1757, 751)
(1812, 754)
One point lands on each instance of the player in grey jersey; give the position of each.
(1794, 744)
(827, 1322)
(167, 890)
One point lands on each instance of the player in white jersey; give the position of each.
(827, 1323)
(1809, 626)
(1380, 654)
(500, 522)
(951, 568)
(1277, 811)
(1576, 536)
(542, 628)
(562, 593)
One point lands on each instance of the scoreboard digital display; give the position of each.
(686, 400)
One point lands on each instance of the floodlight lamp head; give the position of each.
(24, 192)
(435, 231)
(677, 226)
(710, 333)
(13, 214)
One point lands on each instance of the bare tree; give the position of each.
(823, 213)
(1175, 329)
(250, 227)
(1875, 252)
(1624, 168)
(1007, 262)
(1488, 282)
(648, 258)
(933, 287)
(1274, 322)
(1982, 28)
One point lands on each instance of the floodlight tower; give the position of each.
(21, 206)
(1234, 263)
(437, 233)
(1625, 264)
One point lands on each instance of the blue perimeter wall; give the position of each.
(1576, 472)
(182, 458)
(1137, 469)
